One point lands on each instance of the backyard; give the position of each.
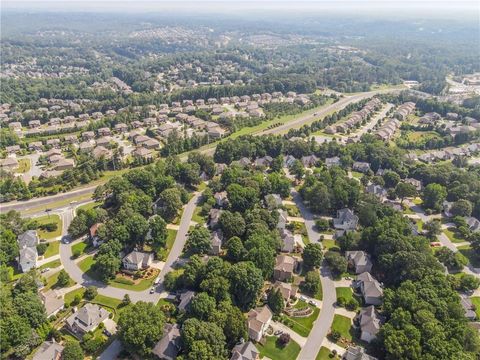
(469, 253)
(24, 165)
(274, 351)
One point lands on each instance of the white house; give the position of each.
(137, 260)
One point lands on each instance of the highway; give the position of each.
(296, 123)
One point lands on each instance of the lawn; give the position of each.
(344, 292)
(303, 325)
(79, 247)
(57, 204)
(51, 264)
(453, 235)
(52, 280)
(342, 324)
(69, 297)
(86, 264)
(357, 175)
(329, 244)
(292, 210)
(162, 253)
(199, 219)
(324, 354)
(467, 251)
(144, 284)
(88, 206)
(476, 302)
(275, 352)
(52, 249)
(418, 201)
(47, 219)
(24, 165)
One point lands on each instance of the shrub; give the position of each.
(322, 224)
(351, 304)
(41, 248)
(76, 253)
(124, 281)
(90, 293)
(284, 339)
(49, 227)
(341, 301)
(335, 335)
(76, 300)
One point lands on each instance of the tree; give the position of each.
(275, 301)
(207, 336)
(312, 283)
(8, 246)
(202, 306)
(169, 203)
(337, 263)
(90, 293)
(264, 259)
(284, 339)
(126, 300)
(246, 281)
(106, 266)
(198, 241)
(469, 282)
(140, 326)
(232, 224)
(72, 351)
(235, 250)
(404, 190)
(312, 256)
(433, 196)
(461, 207)
(158, 230)
(297, 169)
(433, 228)
(322, 224)
(241, 197)
(30, 307)
(63, 279)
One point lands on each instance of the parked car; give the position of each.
(278, 332)
(311, 302)
(303, 298)
(45, 270)
(152, 290)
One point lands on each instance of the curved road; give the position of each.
(298, 122)
(81, 278)
(322, 325)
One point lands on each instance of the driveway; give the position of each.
(322, 325)
(112, 351)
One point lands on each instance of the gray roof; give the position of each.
(49, 350)
(245, 351)
(138, 258)
(168, 346)
(345, 216)
(28, 239)
(357, 353)
(288, 240)
(370, 286)
(185, 299)
(359, 258)
(370, 320)
(88, 317)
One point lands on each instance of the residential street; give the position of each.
(322, 325)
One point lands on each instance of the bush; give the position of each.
(341, 301)
(322, 224)
(335, 335)
(351, 304)
(41, 248)
(76, 300)
(284, 339)
(76, 253)
(49, 227)
(90, 293)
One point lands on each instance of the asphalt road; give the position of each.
(322, 325)
(83, 279)
(44, 201)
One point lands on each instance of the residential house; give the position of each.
(360, 261)
(104, 131)
(142, 153)
(151, 144)
(9, 164)
(49, 350)
(282, 219)
(273, 201)
(13, 149)
(88, 135)
(468, 307)
(288, 161)
(284, 267)
(213, 218)
(309, 161)
(101, 151)
(27, 243)
(369, 321)
(52, 301)
(221, 198)
(105, 141)
(216, 241)
(287, 290)
(333, 161)
(93, 232)
(346, 220)
(86, 319)
(64, 164)
(70, 139)
(55, 143)
(473, 224)
(377, 190)
(288, 241)
(86, 146)
(35, 146)
(216, 132)
(258, 321)
(245, 351)
(185, 298)
(370, 289)
(263, 161)
(34, 123)
(168, 346)
(137, 260)
(362, 167)
(121, 128)
(414, 182)
(357, 353)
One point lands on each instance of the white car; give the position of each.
(45, 270)
(311, 302)
(152, 290)
(303, 298)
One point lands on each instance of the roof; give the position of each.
(28, 239)
(258, 317)
(370, 286)
(138, 258)
(245, 351)
(370, 320)
(185, 299)
(51, 301)
(49, 350)
(285, 263)
(286, 289)
(93, 229)
(357, 353)
(168, 346)
(88, 317)
(359, 258)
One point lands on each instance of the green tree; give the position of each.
(232, 224)
(391, 178)
(169, 203)
(461, 207)
(198, 241)
(246, 282)
(312, 283)
(433, 196)
(433, 228)
(404, 190)
(30, 307)
(312, 256)
(140, 326)
(72, 351)
(90, 293)
(158, 230)
(235, 250)
(106, 266)
(209, 335)
(336, 262)
(297, 169)
(8, 246)
(202, 306)
(241, 197)
(275, 301)
(63, 279)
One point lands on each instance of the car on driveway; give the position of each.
(152, 290)
(45, 270)
(311, 302)
(66, 239)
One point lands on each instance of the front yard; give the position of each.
(469, 253)
(343, 325)
(453, 235)
(324, 354)
(476, 303)
(275, 352)
(47, 219)
(79, 248)
(52, 249)
(301, 325)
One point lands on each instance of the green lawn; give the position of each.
(476, 302)
(292, 210)
(86, 264)
(467, 251)
(357, 175)
(80, 247)
(141, 286)
(418, 201)
(24, 165)
(453, 235)
(53, 218)
(52, 281)
(342, 324)
(162, 253)
(275, 352)
(51, 264)
(329, 244)
(344, 292)
(303, 325)
(199, 219)
(52, 249)
(324, 354)
(91, 205)
(69, 297)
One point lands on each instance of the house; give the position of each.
(63, 164)
(185, 298)
(362, 167)
(288, 161)
(377, 190)
(55, 143)
(34, 123)
(370, 289)
(473, 224)
(468, 307)
(213, 217)
(369, 322)
(35, 146)
(104, 131)
(137, 260)
(416, 183)
(9, 164)
(221, 199)
(100, 152)
(168, 346)
(346, 220)
(357, 353)
(216, 132)
(52, 301)
(309, 161)
(360, 261)
(447, 208)
(264, 161)
(287, 290)
(258, 321)
(284, 267)
(12, 149)
(49, 350)
(88, 135)
(93, 235)
(86, 319)
(217, 240)
(27, 243)
(288, 240)
(105, 141)
(121, 128)
(245, 351)
(86, 146)
(282, 219)
(273, 201)
(151, 144)
(142, 153)
(70, 139)
(333, 161)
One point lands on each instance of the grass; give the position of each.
(357, 175)
(80, 247)
(24, 165)
(52, 281)
(418, 201)
(420, 225)
(86, 264)
(162, 253)
(51, 264)
(476, 302)
(58, 203)
(303, 325)
(197, 217)
(52, 249)
(141, 286)
(70, 296)
(469, 253)
(453, 235)
(342, 324)
(89, 206)
(292, 210)
(273, 351)
(324, 354)
(47, 219)
(344, 292)
(106, 301)
(329, 244)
